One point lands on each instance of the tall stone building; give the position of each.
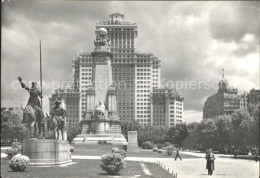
(166, 107)
(69, 101)
(134, 74)
(225, 101)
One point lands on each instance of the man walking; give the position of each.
(177, 154)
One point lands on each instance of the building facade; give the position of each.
(166, 107)
(134, 74)
(69, 101)
(224, 102)
(253, 97)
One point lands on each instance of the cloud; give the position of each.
(231, 21)
(192, 116)
(194, 40)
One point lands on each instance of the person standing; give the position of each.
(249, 154)
(256, 154)
(177, 154)
(235, 153)
(210, 157)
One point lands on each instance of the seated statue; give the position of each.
(99, 110)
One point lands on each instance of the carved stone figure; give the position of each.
(102, 39)
(99, 110)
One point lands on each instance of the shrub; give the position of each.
(16, 145)
(11, 152)
(160, 151)
(122, 153)
(115, 150)
(102, 142)
(112, 163)
(19, 162)
(166, 144)
(169, 150)
(155, 149)
(71, 149)
(147, 145)
(159, 145)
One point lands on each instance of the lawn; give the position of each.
(83, 168)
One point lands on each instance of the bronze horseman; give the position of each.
(57, 120)
(33, 112)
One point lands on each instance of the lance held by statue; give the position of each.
(32, 114)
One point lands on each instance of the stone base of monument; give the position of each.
(132, 145)
(94, 139)
(46, 151)
(99, 141)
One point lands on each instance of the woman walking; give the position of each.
(210, 162)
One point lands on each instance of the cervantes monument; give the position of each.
(101, 123)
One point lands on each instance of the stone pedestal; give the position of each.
(46, 151)
(132, 145)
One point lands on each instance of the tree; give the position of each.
(224, 131)
(73, 131)
(191, 141)
(156, 134)
(242, 128)
(11, 126)
(207, 133)
(177, 133)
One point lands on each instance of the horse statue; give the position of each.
(54, 124)
(32, 121)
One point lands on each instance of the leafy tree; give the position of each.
(242, 126)
(207, 133)
(224, 131)
(156, 134)
(177, 133)
(73, 131)
(191, 141)
(11, 126)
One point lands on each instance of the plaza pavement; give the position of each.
(225, 165)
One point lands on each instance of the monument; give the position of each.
(101, 123)
(132, 145)
(41, 151)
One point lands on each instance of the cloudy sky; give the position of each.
(194, 40)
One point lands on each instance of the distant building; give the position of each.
(243, 100)
(69, 101)
(135, 74)
(166, 107)
(224, 102)
(253, 97)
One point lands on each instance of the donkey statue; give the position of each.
(55, 124)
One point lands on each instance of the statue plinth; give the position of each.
(46, 151)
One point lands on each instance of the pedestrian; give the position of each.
(249, 155)
(256, 154)
(210, 157)
(177, 154)
(235, 153)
